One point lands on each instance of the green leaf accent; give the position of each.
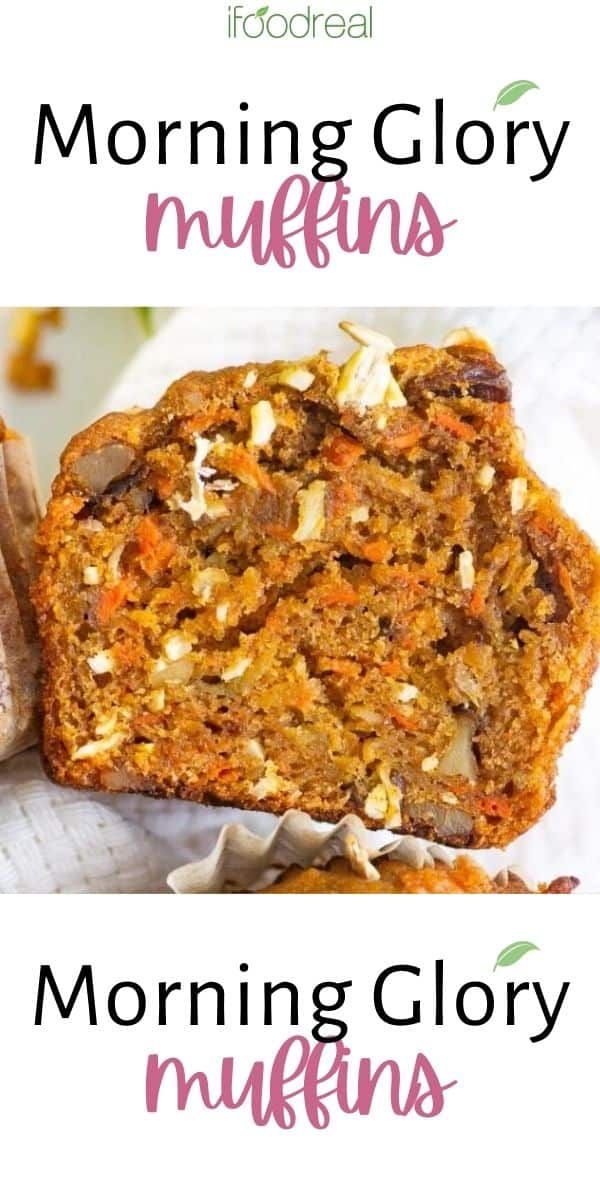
(261, 12)
(145, 317)
(513, 91)
(511, 954)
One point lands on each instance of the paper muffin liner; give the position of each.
(244, 862)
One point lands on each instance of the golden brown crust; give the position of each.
(461, 877)
(418, 654)
(18, 651)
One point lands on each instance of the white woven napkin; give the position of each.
(54, 840)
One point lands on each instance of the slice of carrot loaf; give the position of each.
(19, 514)
(337, 589)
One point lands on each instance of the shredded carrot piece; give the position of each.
(408, 642)
(404, 441)
(402, 721)
(410, 577)
(541, 524)
(494, 806)
(343, 451)
(476, 604)
(447, 420)
(342, 497)
(276, 529)
(344, 594)
(246, 468)
(566, 583)
(460, 786)
(558, 698)
(376, 550)
(173, 594)
(110, 599)
(155, 550)
(340, 666)
(129, 653)
(163, 485)
(392, 668)
(213, 414)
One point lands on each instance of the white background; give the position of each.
(72, 1098)
(72, 1109)
(74, 234)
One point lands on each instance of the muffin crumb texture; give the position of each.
(335, 589)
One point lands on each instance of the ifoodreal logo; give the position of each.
(265, 21)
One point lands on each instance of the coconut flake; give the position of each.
(394, 396)
(156, 700)
(101, 663)
(359, 515)
(162, 671)
(262, 423)
(466, 570)
(296, 377)
(236, 669)
(364, 380)
(196, 506)
(311, 511)
(429, 764)
(254, 748)
(113, 563)
(518, 493)
(368, 337)
(204, 580)
(376, 803)
(91, 576)
(101, 746)
(466, 336)
(270, 784)
(106, 726)
(485, 476)
(383, 802)
(176, 646)
(458, 758)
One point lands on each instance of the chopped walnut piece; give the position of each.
(311, 511)
(466, 570)
(518, 494)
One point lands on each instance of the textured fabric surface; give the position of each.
(52, 839)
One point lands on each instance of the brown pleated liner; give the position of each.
(244, 862)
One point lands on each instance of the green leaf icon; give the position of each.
(261, 12)
(514, 91)
(511, 954)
